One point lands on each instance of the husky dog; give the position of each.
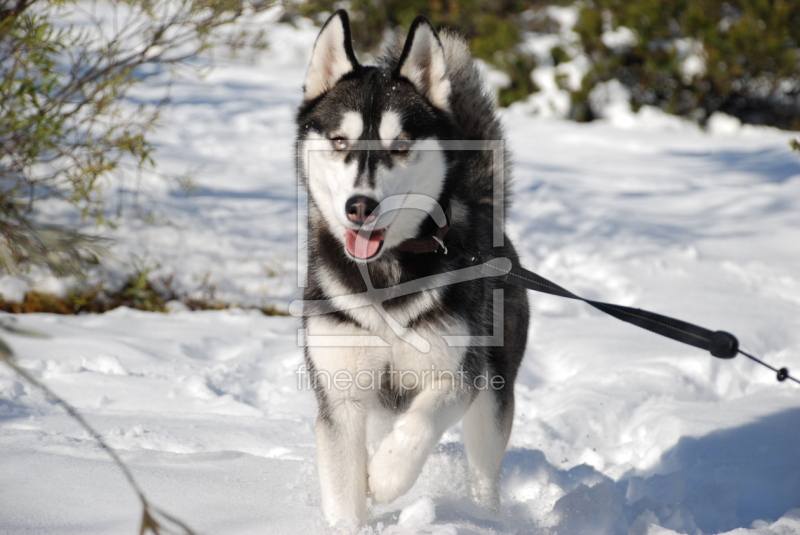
(372, 142)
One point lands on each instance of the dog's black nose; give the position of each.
(359, 209)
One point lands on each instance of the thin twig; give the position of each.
(149, 522)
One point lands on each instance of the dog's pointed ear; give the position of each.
(423, 63)
(332, 58)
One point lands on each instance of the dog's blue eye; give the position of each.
(339, 143)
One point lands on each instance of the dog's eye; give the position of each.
(401, 147)
(339, 143)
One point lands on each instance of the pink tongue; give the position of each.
(362, 246)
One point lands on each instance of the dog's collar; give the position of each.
(429, 244)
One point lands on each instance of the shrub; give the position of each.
(693, 58)
(688, 58)
(65, 123)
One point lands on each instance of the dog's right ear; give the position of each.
(332, 58)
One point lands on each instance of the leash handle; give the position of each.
(720, 344)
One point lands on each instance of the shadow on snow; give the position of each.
(714, 483)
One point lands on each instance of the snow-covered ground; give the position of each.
(616, 430)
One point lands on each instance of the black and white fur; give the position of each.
(421, 92)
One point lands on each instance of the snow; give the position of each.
(616, 430)
(723, 124)
(554, 82)
(620, 39)
(611, 100)
(418, 514)
(691, 56)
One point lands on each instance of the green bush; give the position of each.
(65, 123)
(750, 52)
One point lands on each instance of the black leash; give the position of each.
(720, 344)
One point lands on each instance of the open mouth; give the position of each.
(362, 243)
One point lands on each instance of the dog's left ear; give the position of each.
(423, 63)
(332, 58)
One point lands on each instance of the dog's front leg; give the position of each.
(342, 383)
(342, 458)
(396, 465)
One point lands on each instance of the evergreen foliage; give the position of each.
(741, 57)
(749, 52)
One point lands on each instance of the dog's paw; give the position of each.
(396, 465)
(486, 496)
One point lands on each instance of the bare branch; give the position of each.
(150, 515)
(63, 118)
(17, 9)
